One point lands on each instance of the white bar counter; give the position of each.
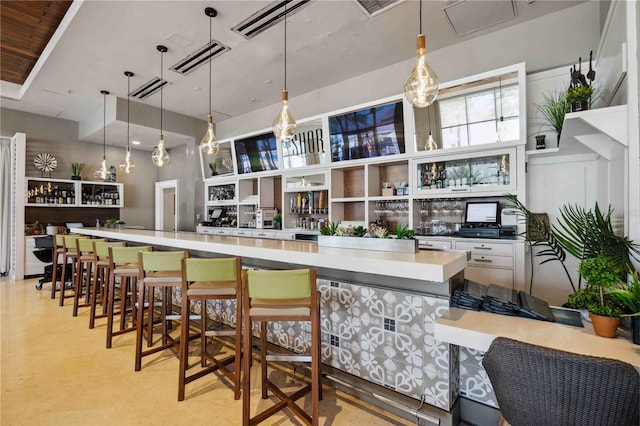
(476, 330)
(425, 265)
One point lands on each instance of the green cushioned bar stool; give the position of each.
(84, 274)
(58, 253)
(203, 280)
(161, 270)
(101, 272)
(70, 253)
(123, 266)
(281, 296)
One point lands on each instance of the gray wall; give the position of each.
(60, 138)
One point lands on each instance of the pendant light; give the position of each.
(431, 144)
(284, 125)
(421, 87)
(160, 156)
(127, 164)
(209, 144)
(103, 172)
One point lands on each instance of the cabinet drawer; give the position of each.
(221, 232)
(435, 244)
(491, 261)
(485, 248)
(487, 276)
(242, 234)
(264, 234)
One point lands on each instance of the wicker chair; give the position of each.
(541, 386)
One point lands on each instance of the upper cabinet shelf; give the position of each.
(602, 131)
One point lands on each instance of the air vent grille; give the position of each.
(268, 17)
(374, 7)
(199, 57)
(148, 88)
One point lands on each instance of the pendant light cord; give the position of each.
(285, 46)
(210, 39)
(161, 86)
(104, 126)
(128, 110)
(420, 17)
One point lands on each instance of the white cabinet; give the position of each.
(472, 174)
(491, 262)
(43, 192)
(32, 265)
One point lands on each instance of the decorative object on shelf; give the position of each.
(227, 163)
(431, 144)
(45, 162)
(214, 169)
(209, 144)
(284, 125)
(127, 165)
(160, 156)
(277, 221)
(553, 109)
(112, 174)
(76, 169)
(540, 141)
(579, 94)
(103, 173)
(602, 273)
(421, 87)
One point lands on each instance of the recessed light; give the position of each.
(135, 142)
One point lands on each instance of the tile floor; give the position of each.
(56, 371)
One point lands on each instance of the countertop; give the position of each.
(437, 266)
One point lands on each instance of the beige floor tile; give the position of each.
(56, 371)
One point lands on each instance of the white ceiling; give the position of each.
(328, 41)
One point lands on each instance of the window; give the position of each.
(474, 118)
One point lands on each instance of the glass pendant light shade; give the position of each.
(431, 144)
(127, 164)
(284, 125)
(103, 172)
(160, 156)
(421, 87)
(209, 144)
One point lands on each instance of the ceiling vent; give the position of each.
(149, 88)
(199, 57)
(466, 17)
(375, 7)
(268, 17)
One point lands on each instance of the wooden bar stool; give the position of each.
(58, 253)
(280, 296)
(123, 265)
(203, 280)
(70, 253)
(101, 274)
(84, 274)
(162, 270)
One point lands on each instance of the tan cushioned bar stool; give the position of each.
(84, 274)
(100, 280)
(280, 296)
(203, 280)
(70, 253)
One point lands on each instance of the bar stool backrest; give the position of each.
(101, 247)
(223, 272)
(162, 261)
(126, 255)
(281, 289)
(59, 238)
(69, 241)
(85, 245)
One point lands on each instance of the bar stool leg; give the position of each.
(140, 325)
(54, 273)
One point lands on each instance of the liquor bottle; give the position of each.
(73, 197)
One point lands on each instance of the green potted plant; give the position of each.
(277, 221)
(76, 169)
(602, 273)
(214, 169)
(629, 294)
(579, 97)
(553, 109)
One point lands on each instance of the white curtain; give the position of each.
(5, 205)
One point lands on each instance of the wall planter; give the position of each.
(361, 243)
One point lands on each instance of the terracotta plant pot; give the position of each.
(604, 326)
